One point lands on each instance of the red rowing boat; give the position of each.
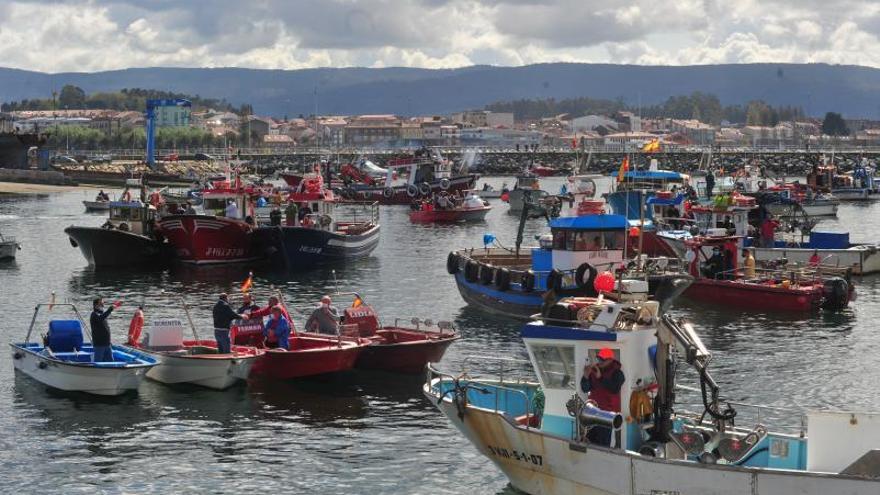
(458, 214)
(309, 355)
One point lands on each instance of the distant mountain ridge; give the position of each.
(853, 91)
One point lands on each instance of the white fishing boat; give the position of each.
(67, 363)
(193, 361)
(8, 247)
(96, 206)
(539, 434)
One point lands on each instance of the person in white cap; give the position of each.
(324, 319)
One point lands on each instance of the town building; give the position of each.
(483, 118)
(369, 130)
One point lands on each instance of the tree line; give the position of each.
(86, 138)
(75, 98)
(700, 106)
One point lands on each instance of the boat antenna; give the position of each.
(335, 282)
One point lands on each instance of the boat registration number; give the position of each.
(535, 459)
(310, 249)
(224, 252)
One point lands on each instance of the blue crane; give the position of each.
(150, 117)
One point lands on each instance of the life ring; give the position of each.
(471, 271)
(388, 192)
(502, 279)
(412, 190)
(425, 189)
(487, 274)
(527, 281)
(585, 276)
(444, 183)
(452, 265)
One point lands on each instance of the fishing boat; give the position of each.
(192, 361)
(333, 231)
(857, 185)
(471, 209)
(551, 438)
(513, 283)
(721, 217)
(97, 206)
(427, 174)
(489, 192)
(309, 355)
(8, 247)
(212, 237)
(526, 189)
(66, 362)
(719, 279)
(834, 249)
(398, 348)
(129, 238)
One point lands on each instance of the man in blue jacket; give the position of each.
(278, 325)
(223, 318)
(101, 330)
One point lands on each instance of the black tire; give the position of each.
(585, 276)
(554, 280)
(412, 191)
(502, 279)
(452, 263)
(425, 189)
(123, 227)
(527, 281)
(487, 274)
(471, 271)
(388, 193)
(444, 183)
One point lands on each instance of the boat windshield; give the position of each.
(555, 365)
(587, 240)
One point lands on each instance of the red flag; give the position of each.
(574, 143)
(248, 283)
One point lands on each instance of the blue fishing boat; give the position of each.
(66, 362)
(512, 283)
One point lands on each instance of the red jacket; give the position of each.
(605, 391)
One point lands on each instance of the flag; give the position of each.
(357, 302)
(624, 168)
(246, 285)
(574, 143)
(652, 146)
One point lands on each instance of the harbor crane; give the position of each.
(150, 117)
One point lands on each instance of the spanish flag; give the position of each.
(357, 302)
(246, 285)
(624, 168)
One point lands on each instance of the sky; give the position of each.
(94, 35)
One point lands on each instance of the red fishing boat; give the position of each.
(471, 209)
(221, 234)
(397, 348)
(719, 279)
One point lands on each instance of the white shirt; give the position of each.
(232, 210)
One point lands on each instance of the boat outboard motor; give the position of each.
(836, 294)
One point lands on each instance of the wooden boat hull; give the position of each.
(115, 248)
(404, 351)
(308, 356)
(398, 195)
(206, 239)
(449, 216)
(80, 376)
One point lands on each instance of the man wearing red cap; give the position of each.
(602, 381)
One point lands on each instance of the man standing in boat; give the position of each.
(324, 319)
(223, 317)
(602, 381)
(101, 330)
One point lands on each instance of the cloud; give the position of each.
(90, 35)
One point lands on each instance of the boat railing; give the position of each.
(795, 275)
(473, 384)
(358, 212)
(759, 413)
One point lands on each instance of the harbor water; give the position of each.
(359, 432)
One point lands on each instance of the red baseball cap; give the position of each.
(606, 353)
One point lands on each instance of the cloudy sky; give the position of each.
(91, 35)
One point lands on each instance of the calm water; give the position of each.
(359, 433)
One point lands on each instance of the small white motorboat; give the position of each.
(96, 206)
(67, 363)
(8, 247)
(193, 361)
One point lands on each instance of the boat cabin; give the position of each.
(528, 182)
(714, 257)
(132, 216)
(599, 240)
(425, 166)
(721, 220)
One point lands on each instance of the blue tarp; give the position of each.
(651, 175)
(590, 222)
(654, 200)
